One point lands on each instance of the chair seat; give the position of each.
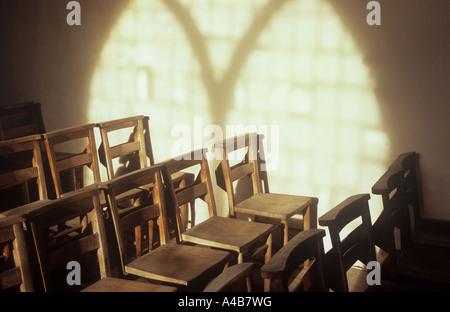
(432, 232)
(163, 264)
(278, 206)
(122, 285)
(426, 262)
(227, 233)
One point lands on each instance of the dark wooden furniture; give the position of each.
(298, 265)
(237, 278)
(348, 248)
(21, 119)
(424, 230)
(407, 258)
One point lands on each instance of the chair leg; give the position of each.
(240, 258)
(285, 231)
(151, 229)
(267, 257)
(138, 240)
(310, 215)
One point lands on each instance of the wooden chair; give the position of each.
(262, 205)
(231, 234)
(187, 267)
(15, 269)
(131, 153)
(69, 152)
(126, 146)
(298, 265)
(357, 245)
(88, 248)
(424, 231)
(59, 145)
(407, 258)
(237, 278)
(22, 178)
(21, 119)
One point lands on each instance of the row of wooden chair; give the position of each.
(134, 153)
(170, 261)
(252, 235)
(418, 248)
(151, 202)
(232, 234)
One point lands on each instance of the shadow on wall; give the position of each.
(44, 59)
(409, 57)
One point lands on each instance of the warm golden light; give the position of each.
(299, 71)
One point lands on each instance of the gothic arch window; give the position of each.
(284, 65)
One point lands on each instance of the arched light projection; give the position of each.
(287, 67)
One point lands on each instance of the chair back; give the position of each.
(67, 166)
(233, 171)
(126, 145)
(15, 270)
(347, 249)
(150, 206)
(298, 263)
(409, 163)
(192, 162)
(21, 119)
(392, 229)
(86, 246)
(21, 171)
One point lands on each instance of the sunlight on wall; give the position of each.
(304, 76)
